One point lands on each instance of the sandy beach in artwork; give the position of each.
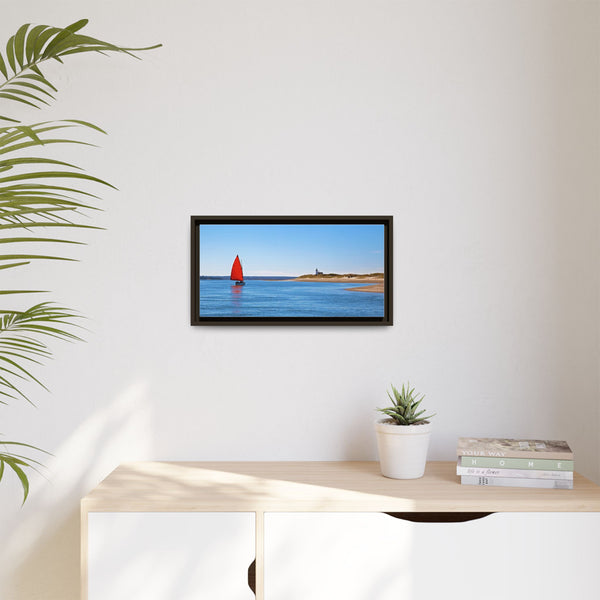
(375, 278)
(377, 289)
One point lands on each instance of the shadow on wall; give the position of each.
(358, 440)
(39, 558)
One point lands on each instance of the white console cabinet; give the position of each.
(333, 530)
(363, 556)
(169, 555)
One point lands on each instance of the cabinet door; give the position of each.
(373, 556)
(170, 556)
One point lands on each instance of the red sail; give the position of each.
(236, 270)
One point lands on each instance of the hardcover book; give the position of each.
(515, 482)
(539, 464)
(511, 448)
(519, 473)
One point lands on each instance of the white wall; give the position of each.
(474, 123)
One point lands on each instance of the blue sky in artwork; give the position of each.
(271, 249)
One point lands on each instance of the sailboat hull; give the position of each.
(240, 283)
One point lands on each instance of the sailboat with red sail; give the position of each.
(237, 274)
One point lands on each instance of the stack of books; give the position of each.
(515, 463)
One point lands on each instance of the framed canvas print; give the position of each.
(291, 270)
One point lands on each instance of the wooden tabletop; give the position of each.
(317, 486)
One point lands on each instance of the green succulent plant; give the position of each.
(404, 407)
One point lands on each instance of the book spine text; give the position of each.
(520, 473)
(517, 482)
(517, 463)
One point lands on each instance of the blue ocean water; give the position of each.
(263, 297)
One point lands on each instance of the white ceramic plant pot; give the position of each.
(402, 449)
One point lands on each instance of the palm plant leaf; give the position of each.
(33, 45)
(18, 463)
(38, 192)
(29, 199)
(22, 341)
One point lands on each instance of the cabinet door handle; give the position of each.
(252, 576)
(438, 517)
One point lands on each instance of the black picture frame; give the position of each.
(196, 319)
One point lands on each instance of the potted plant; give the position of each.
(403, 437)
(31, 200)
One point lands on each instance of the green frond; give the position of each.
(8, 292)
(33, 45)
(18, 463)
(20, 240)
(44, 320)
(28, 198)
(38, 192)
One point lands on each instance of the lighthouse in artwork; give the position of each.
(237, 274)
